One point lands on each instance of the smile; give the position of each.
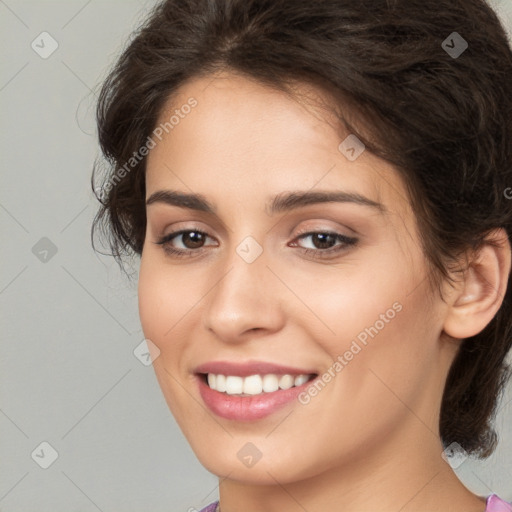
(254, 384)
(250, 391)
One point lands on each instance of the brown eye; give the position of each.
(323, 240)
(192, 239)
(186, 242)
(324, 244)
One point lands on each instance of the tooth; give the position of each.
(286, 382)
(220, 383)
(253, 385)
(300, 379)
(270, 383)
(234, 385)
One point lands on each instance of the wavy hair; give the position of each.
(443, 120)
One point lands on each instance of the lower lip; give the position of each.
(247, 408)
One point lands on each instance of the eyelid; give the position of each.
(346, 242)
(317, 229)
(321, 225)
(175, 234)
(316, 253)
(304, 231)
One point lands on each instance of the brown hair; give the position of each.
(444, 120)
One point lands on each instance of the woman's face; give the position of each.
(283, 283)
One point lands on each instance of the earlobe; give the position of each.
(480, 292)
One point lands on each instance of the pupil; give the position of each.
(325, 240)
(196, 239)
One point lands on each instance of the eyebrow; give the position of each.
(286, 201)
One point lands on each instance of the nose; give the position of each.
(245, 299)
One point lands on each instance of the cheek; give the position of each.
(348, 300)
(388, 365)
(169, 299)
(149, 299)
(160, 306)
(374, 323)
(164, 298)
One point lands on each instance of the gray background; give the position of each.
(70, 324)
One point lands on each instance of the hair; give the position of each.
(443, 121)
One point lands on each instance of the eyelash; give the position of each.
(316, 253)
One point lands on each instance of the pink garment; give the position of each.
(210, 508)
(494, 504)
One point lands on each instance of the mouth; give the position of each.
(250, 392)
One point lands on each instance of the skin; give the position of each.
(370, 439)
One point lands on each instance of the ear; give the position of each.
(478, 295)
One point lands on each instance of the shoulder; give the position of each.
(496, 504)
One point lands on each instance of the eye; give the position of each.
(323, 243)
(191, 240)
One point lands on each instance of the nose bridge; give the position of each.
(245, 296)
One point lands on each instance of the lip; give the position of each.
(247, 408)
(250, 368)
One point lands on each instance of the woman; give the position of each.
(318, 194)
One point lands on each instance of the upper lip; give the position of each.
(249, 368)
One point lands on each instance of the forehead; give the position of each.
(244, 120)
(257, 141)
